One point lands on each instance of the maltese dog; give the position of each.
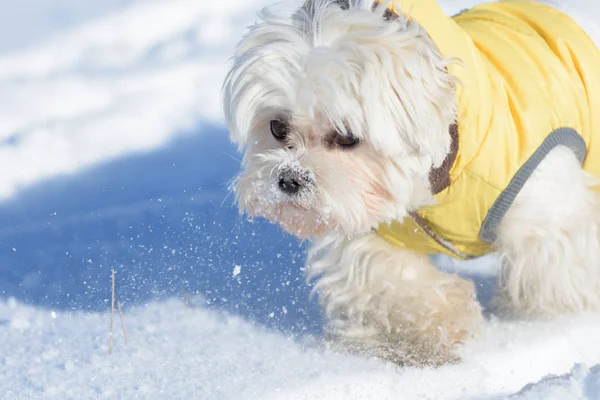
(388, 131)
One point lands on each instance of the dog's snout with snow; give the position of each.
(294, 179)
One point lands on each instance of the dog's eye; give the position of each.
(347, 141)
(279, 129)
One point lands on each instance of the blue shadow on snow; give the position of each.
(163, 220)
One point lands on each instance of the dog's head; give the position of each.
(342, 109)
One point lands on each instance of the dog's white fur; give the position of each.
(329, 70)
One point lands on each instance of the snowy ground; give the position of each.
(113, 155)
(180, 352)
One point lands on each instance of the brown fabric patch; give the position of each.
(439, 178)
(388, 14)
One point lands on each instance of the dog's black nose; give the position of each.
(293, 179)
(288, 184)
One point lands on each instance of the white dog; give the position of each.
(387, 131)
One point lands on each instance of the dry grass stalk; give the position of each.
(186, 299)
(122, 320)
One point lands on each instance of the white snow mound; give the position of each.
(174, 352)
(122, 83)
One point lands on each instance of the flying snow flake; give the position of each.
(236, 270)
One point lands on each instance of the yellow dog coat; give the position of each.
(530, 80)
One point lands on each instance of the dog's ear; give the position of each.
(230, 102)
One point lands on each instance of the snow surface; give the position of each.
(180, 352)
(113, 155)
(125, 82)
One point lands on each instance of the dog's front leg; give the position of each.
(389, 303)
(550, 241)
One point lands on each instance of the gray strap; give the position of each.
(560, 137)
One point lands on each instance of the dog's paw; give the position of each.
(390, 348)
(455, 315)
(422, 331)
(449, 316)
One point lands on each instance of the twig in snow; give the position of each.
(112, 312)
(122, 320)
(186, 299)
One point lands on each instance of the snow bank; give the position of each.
(24, 23)
(123, 83)
(174, 352)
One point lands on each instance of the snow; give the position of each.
(129, 81)
(113, 155)
(174, 351)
